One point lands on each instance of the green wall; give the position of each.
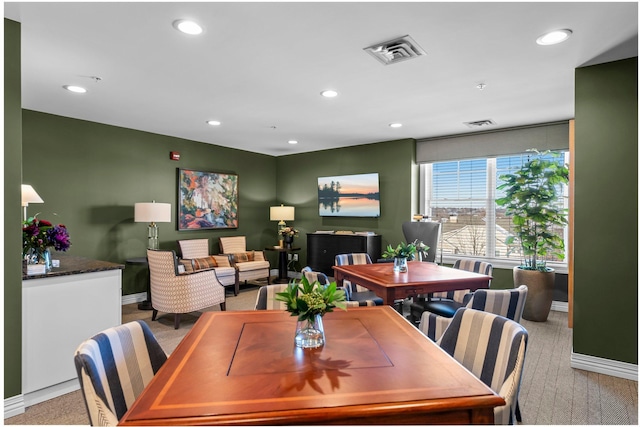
(93, 174)
(12, 211)
(606, 211)
(394, 161)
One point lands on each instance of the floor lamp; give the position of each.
(29, 195)
(151, 213)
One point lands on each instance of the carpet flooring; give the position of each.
(552, 393)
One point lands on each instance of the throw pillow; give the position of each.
(202, 263)
(186, 265)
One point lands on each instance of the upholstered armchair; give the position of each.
(177, 293)
(493, 349)
(114, 367)
(195, 257)
(251, 265)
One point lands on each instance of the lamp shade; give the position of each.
(29, 195)
(282, 213)
(152, 212)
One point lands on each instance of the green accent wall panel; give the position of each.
(606, 211)
(394, 161)
(93, 174)
(12, 211)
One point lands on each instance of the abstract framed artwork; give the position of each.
(207, 200)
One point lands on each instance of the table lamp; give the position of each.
(29, 195)
(152, 213)
(281, 214)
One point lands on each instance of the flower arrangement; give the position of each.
(403, 250)
(39, 235)
(288, 231)
(311, 299)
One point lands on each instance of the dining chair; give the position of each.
(353, 291)
(316, 276)
(446, 303)
(426, 232)
(507, 303)
(195, 256)
(114, 366)
(492, 348)
(178, 293)
(266, 298)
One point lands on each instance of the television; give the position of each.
(349, 195)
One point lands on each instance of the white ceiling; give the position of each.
(259, 68)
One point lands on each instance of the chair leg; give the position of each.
(223, 306)
(176, 320)
(155, 313)
(236, 289)
(518, 414)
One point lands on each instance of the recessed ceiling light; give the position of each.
(75, 89)
(213, 122)
(187, 27)
(395, 125)
(329, 93)
(554, 37)
(293, 142)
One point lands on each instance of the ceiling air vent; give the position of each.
(395, 50)
(480, 123)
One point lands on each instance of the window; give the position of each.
(461, 195)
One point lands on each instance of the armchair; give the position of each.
(181, 293)
(251, 265)
(195, 256)
(425, 232)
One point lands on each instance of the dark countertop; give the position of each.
(71, 264)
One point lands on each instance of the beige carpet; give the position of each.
(551, 393)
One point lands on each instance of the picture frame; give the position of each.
(207, 200)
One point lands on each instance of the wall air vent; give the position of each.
(480, 123)
(395, 50)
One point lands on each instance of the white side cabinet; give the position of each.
(59, 313)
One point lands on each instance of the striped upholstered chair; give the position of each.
(195, 256)
(495, 354)
(446, 303)
(251, 265)
(353, 291)
(266, 298)
(177, 293)
(114, 367)
(316, 276)
(507, 303)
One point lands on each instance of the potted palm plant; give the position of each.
(532, 198)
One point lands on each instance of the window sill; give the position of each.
(560, 268)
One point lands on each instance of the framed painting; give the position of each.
(207, 200)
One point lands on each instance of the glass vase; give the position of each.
(400, 265)
(39, 256)
(310, 333)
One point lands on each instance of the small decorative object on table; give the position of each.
(401, 254)
(288, 233)
(309, 304)
(38, 236)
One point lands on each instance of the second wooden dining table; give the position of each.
(242, 368)
(422, 278)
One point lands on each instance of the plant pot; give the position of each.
(400, 265)
(310, 333)
(540, 293)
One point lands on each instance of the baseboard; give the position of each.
(47, 393)
(560, 306)
(600, 365)
(13, 406)
(134, 298)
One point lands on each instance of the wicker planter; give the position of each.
(540, 294)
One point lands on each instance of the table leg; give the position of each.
(282, 268)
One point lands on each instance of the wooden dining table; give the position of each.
(422, 278)
(242, 368)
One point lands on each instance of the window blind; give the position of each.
(550, 136)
